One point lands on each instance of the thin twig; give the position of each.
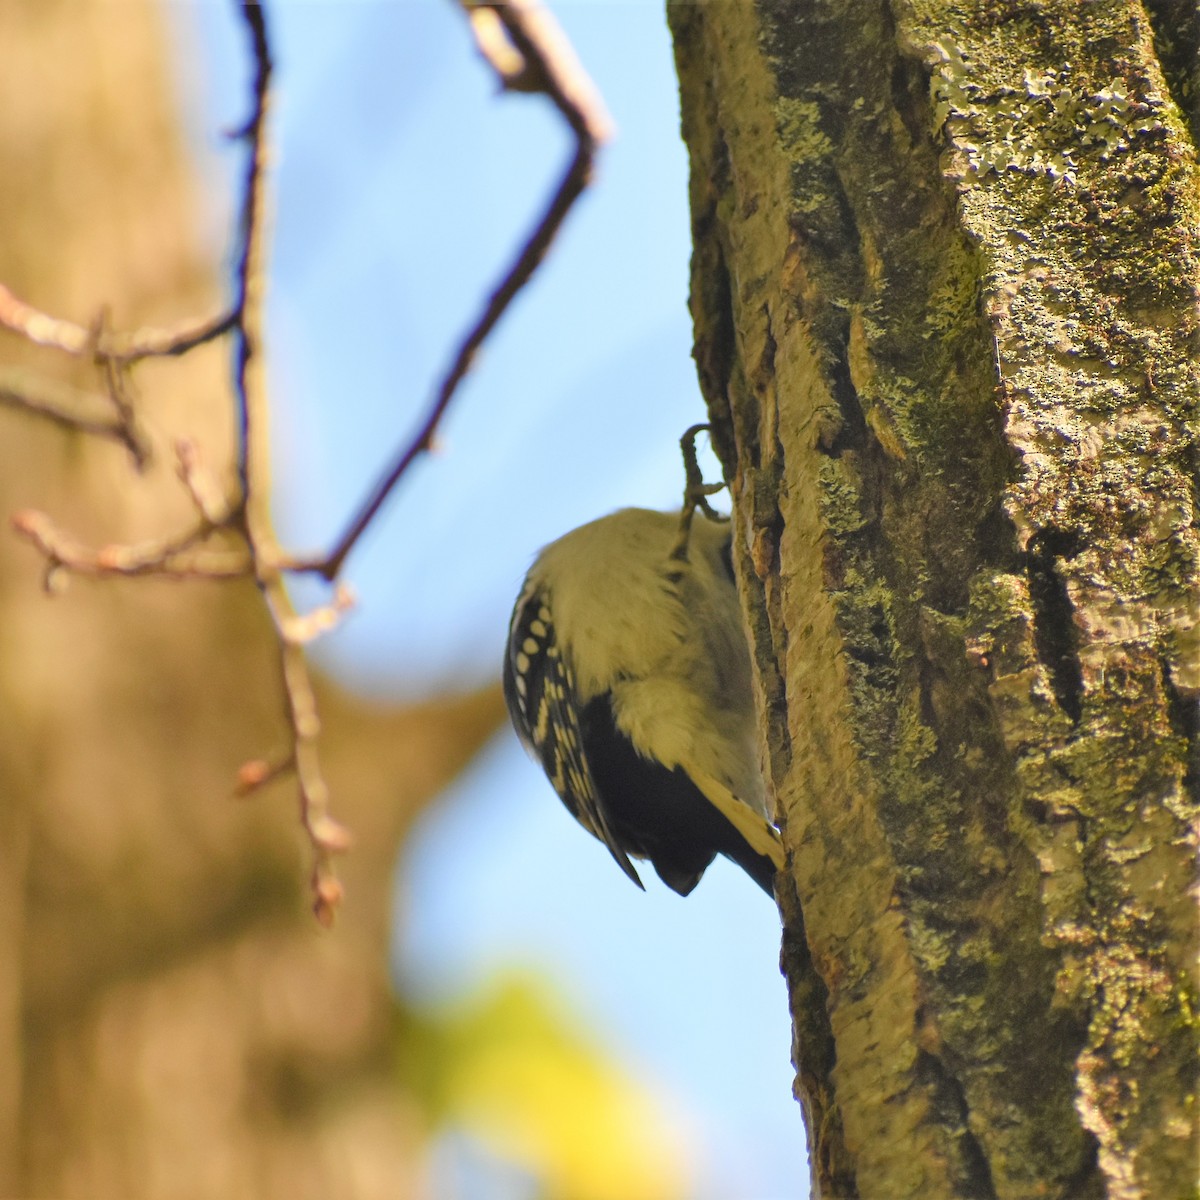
(75, 339)
(300, 630)
(38, 327)
(327, 837)
(529, 53)
(537, 57)
(206, 495)
(116, 378)
(172, 341)
(250, 282)
(552, 67)
(257, 773)
(182, 557)
(58, 403)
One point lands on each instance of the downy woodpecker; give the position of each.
(627, 677)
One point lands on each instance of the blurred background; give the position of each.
(499, 1013)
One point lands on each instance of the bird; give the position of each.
(627, 677)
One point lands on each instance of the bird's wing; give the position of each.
(760, 835)
(539, 686)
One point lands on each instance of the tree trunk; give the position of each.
(945, 295)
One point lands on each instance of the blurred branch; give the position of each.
(66, 407)
(57, 402)
(190, 553)
(529, 53)
(74, 339)
(176, 558)
(120, 394)
(234, 537)
(184, 556)
(292, 631)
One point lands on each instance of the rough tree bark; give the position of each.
(945, 294)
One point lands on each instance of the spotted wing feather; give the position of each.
(540, 690)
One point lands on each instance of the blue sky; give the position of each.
(403, 182)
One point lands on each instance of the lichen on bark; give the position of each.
(945, 292)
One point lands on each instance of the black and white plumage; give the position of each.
(627, 676)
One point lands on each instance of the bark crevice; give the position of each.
(1054, 632)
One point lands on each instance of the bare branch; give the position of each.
(552, 67)
(116, 377)
(543, 62)
(183, 557)
(254, 474)
(26, 320)
(206, 495)
(60, 404)
(495, 45)
(250, 283)
(170, 342)
(258, 772)
(529, 53)
(300, 630)
(70, 338)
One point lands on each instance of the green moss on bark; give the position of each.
(953, 340)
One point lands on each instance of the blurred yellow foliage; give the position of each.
(510, 1069)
